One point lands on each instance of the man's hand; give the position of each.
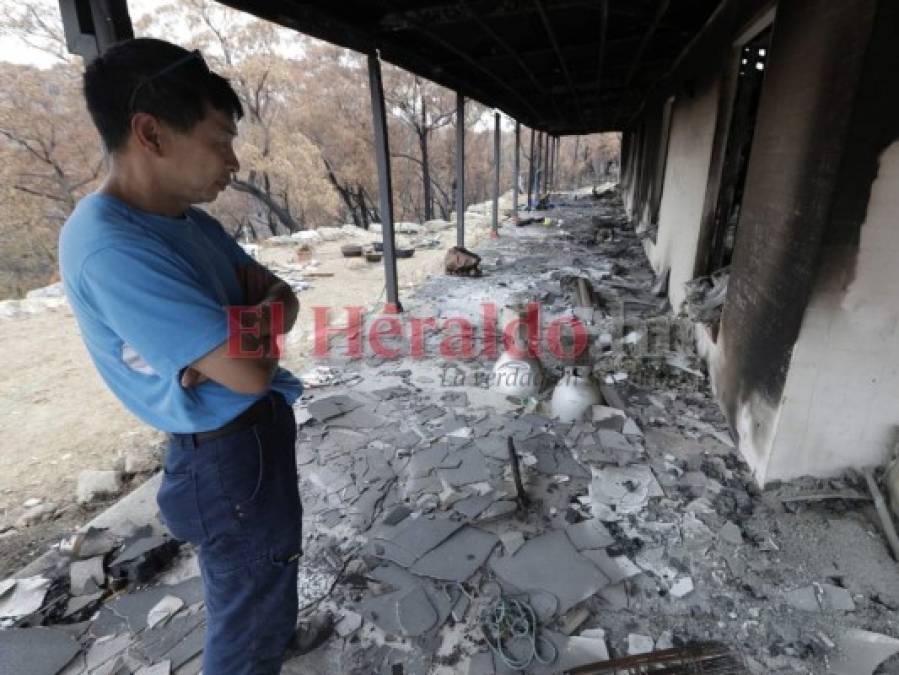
(256, 281)
(191, 377)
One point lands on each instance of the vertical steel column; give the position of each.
(538, 173)
(515, 171)
(552, 163)
(545, 162)
(460, 169)
(385, 187)
(531, 173)
(557, 170)
(496, 159)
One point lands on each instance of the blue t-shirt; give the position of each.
(149, 293)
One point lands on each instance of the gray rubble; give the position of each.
(641, 529)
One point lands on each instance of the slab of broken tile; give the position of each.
(359, 418)
(494, 446)
(407, 439)
(481, 663)
(35, 651)
(457, 558)
(558, 460)
(605, 417)
(191, 645)
(569, 576)
(414, 537)
(631, 428)
(158, 644)
(164, 610)
(614, 442)
(387, 393)
(589, 534)
(135, 607)
(429, 413)
(424, 460)
(472, 507)
(498, 509)
(86, 576)
(512, 540)
(161, 668)
(21, 597)
(106, 648)
(325, 408)
(624, 488)
(95, 541)
(415, 613)
(860, 652)
(348, 623)
(472, 467)
(76, 603)
(616, 569)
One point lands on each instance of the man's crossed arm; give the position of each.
(262, 290)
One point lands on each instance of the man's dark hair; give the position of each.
(155, 77)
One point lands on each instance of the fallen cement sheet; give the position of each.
(642, 531)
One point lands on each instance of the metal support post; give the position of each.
(460, 169)
(90, 26)
(531, 174)
(496, 160)
(515, 171)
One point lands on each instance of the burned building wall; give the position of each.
(686, 172)
(790, 203)
(817, 52)
(841, 399)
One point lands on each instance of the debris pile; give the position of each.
(453, 528)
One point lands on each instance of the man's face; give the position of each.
(200, 162)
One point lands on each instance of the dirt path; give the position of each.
(57, 417)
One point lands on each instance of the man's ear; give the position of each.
(147, 132)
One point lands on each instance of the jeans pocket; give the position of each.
(178, 506)
(241, 466)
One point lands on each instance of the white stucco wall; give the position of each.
(683, 193)
(841, 399)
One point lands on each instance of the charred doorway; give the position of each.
(750, 76)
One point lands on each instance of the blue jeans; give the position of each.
(236, 499)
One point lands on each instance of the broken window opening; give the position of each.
(750, 76)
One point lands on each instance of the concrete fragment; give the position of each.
(96, 484)
(665, 641)
(836, 598)
(639, 644)
(731, 533)
(681, 587)
(803, 599)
